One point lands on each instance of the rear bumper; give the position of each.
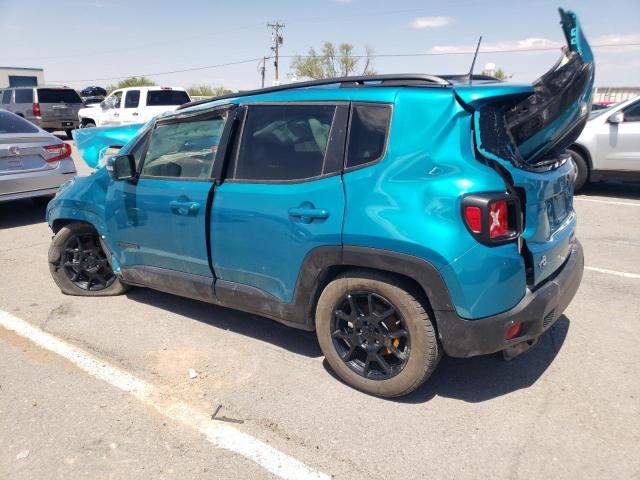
(59, 125)
(537, 311)
(36, 183)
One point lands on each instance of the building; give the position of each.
(614, 94)
(21, 77)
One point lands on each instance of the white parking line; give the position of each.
(613, 272)
(609, 202)
(222, 436)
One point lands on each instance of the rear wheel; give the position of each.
(376, 335)
(582, 170)
(79, 265)
(88, 124)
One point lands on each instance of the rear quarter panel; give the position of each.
(410, 202)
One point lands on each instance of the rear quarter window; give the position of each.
(10, 123)
(158, 98)
(368, 134)
(58, 95)
(24, 95)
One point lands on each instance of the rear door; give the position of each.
(130, 111)
(158, 222)
(282, 197)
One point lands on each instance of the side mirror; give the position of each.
(121, 167)
(616, 118)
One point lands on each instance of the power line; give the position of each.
(382, 55)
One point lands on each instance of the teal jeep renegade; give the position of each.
(397, 216)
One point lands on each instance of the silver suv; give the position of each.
(50, 108)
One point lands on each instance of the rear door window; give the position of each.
(24, 95)
(10, 123)
(58, 95)
(157, 98)
(6, 97)
(132, 99)
(367, 133)
(284, 142)
(184, 149)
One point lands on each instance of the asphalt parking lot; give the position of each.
(569, 408)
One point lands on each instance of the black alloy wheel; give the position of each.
(370, 335)
(85, 263)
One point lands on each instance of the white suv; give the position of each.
(609, 146)
(133, 105)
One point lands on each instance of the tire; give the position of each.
(420, 347)
(94, 275)
(582, 168)
(68, 132)
(89, 124)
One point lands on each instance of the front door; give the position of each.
(619, 143)
(111, 109)
(283, 195)
(157, 224)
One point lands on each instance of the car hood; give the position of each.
(93, 143)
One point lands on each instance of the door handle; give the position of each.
(184, 208)
(135, 114)
(307, 213)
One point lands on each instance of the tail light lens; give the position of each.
(492, 218)
(59, 151)
(36, 110)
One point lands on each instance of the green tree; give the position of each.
(332, 62)
(207, 91)
(131, 82)
(499, 74)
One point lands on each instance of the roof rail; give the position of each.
(417, 79)
(459, 78)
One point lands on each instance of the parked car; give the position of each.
(33, 163)
(92, 101)
(398, 216)
(50, 108)
(133, 105)
(609, 146)
(93, 92)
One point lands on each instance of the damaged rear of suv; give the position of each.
(397, 216)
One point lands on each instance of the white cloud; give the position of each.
(431, 22)
(517, 45)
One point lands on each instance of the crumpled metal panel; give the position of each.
(93, 143)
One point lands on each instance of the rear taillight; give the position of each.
(36, 110)
(492, 218)
(59, 151)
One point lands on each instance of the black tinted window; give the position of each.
(24, 95)
(132, 99)
(10, 123)
(632, 113)
(58, 95)
(367, 134)
(184, 149)
(157, 98)
(6, 97)
(284, 142)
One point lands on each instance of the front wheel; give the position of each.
(79, 265)
(376, 335)
(582, 170)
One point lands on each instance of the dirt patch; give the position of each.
(33, 351)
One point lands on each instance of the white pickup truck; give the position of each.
(132, 105)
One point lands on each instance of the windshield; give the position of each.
(10, 123)
(58, 95)
(157, 98)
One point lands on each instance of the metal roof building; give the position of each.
(21, 77)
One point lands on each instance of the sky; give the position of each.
(93, 42)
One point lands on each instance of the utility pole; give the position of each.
(263, 69)
(277, 39)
